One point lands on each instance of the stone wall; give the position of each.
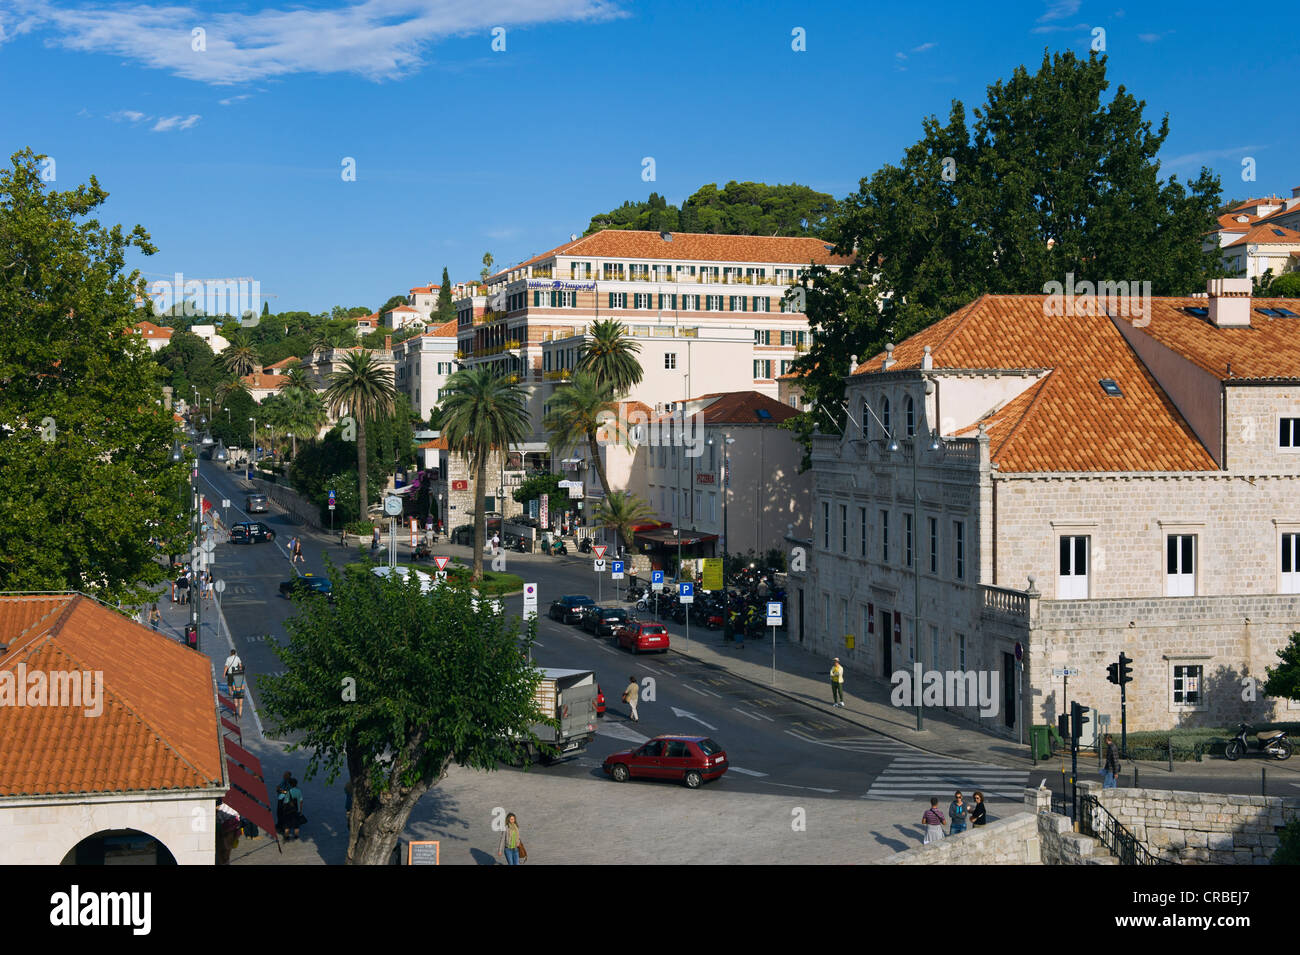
(1200, 827)
(1009, 841)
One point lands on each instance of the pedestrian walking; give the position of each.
(296, 819)
(155, 616)
(374, 540)
(207, 586)
(1110, 771)
(496, 544)
(183, 587)
(282, 818)
(235, 681)
(933, 821)
(512, 843)
(957, 814)
(837, 683)
(631, 696)
(977, 810)
(297, 551)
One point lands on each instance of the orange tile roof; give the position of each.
(372, 317)
(256, 380)
(286, 362)
(150, 330)
(1064, 422)
(425, 289)
(158, 726)
(1267, 233)
(401, 308)
(445, 330)
(1268, 350)
(736, 407)
(693, 246)
(437, 444)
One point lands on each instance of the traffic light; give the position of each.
(1112, 673)
(1125, 669)
(1078, 717)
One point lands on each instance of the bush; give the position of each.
(1288, 847)
(364, 528)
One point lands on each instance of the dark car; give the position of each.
(307, 584)
(570, 608)
(603, 621)
(250, 532)
(687, 759)
(255, 504)
(643, 636)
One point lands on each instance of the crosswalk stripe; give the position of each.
(918, 775)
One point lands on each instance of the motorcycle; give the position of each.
(423, 552)
(585, 545)
(1268, 743)
(557, 548)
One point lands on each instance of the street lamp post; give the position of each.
(728, 631)
(252, 450)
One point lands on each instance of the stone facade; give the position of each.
(1010, 841)
(1195, 828)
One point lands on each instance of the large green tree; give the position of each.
(362, 389)
(482, 412)
(738, 208)
(446, 310)
(584, 411)
(85, 470)
(1049, 180)
(620, 512)
(1283, 681)
(393, 685)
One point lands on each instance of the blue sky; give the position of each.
(231, 155)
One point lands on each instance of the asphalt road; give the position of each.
(774, 744)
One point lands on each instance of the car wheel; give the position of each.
(693, 779)
(620, 773)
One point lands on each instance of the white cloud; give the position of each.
(166, 124)
(127, 116)
(1206, 155)
(1059, 10)
(923, 47)
(376, 39)
(230, 100)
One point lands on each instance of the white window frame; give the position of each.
(1181, 582)
(670, 361)
(1184, 663)
(884, 536)
(1071, 584)
(1294, 446)
(1288, 582)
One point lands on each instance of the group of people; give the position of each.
(190, 582)
(960, 814)
(295, 550)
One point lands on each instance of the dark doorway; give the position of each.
(886, 627)
(120, 847)
(801, 615)
(1009, 689)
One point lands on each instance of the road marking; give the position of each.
(620, 731)
(692, 689)
(743, 713)
(711, 693)
(747, 772)
(815, 789)
(645, 666)
(538, 643)
(605, 648)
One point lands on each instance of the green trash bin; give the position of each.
(1039, 742)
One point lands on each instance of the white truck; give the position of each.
(569, 697)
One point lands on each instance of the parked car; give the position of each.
(250, 532)
(643, 636)
(690, 759)
(570, 608)
(307, 584)
(603, 621)
(255, 504)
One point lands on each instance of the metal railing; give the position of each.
(1096, 821)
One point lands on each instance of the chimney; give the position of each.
(1229, 302)
(388, 342)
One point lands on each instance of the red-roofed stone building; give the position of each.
(1258, 235)
(157, 336)
(423, 363)
(110, 745)
(1087, 485)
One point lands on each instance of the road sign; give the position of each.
(225, 502)
(600, 549)
(774, 613)
(615, 570)
(221, 586)
(657, 579)
(530, 599)
(331, 498)
(598, 565)
(440, 576)
(686, 593)
(442, 562)
(392, 505)
(1065, 671)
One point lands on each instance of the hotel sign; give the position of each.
(555, 285)
(704, 479)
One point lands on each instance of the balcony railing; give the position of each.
(1002, 602)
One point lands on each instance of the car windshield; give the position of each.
(581, 601)
(708, 747)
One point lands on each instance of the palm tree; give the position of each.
(610, 355)
(481, 412)
(578, 411)
(240, 358)
(228, 388)
(304, 413)
(297, 381)
(620, 512)
(363, 389)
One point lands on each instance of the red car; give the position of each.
(644, 636)
(689, 759)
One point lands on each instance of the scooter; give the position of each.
(1268, 743)
(522, 545)
(585, 545)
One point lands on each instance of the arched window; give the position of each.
(910, 407)
(884, 415)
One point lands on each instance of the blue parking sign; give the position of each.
(775, 610)
(685, 590)
(656, 576)
(616, 570)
